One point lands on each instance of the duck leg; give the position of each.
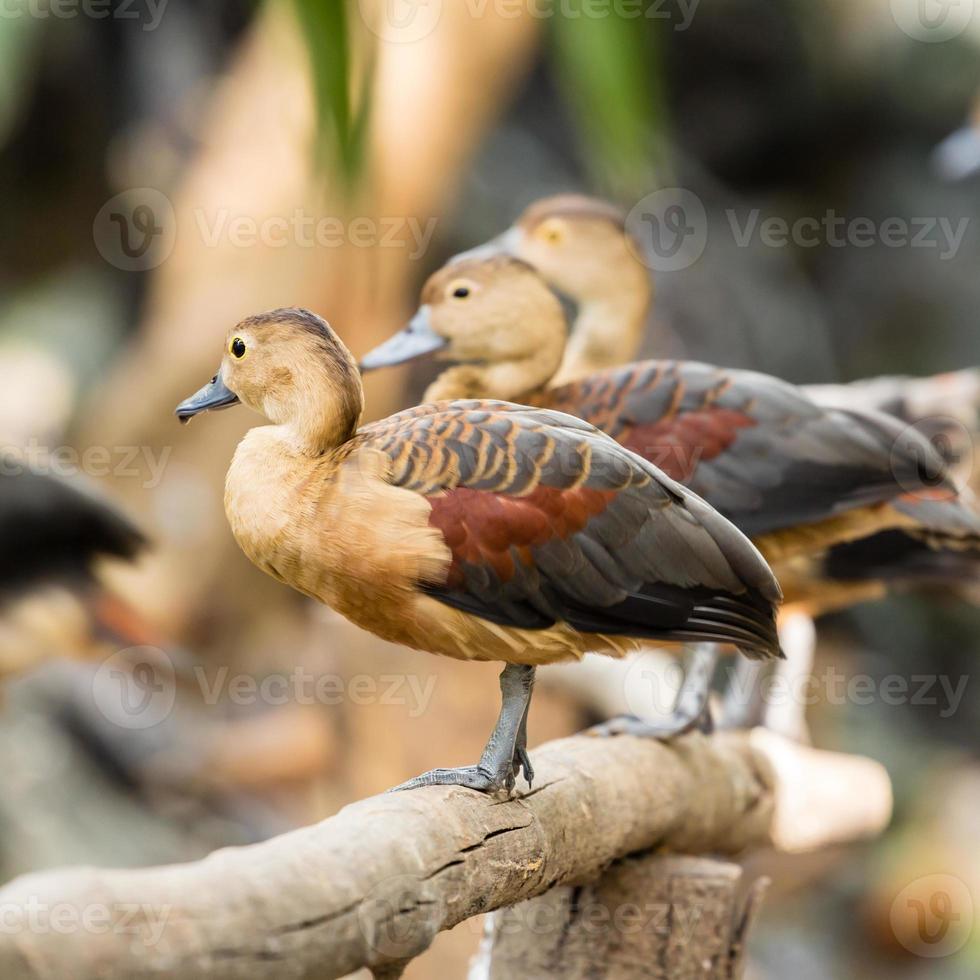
(505, 754)
(691, 710)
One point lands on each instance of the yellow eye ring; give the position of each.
(551, 232)
(237, 348)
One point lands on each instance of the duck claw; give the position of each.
(472, 777)
(671, 727)
(523, 761)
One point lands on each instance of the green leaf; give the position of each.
(607, 63)
(342, 103)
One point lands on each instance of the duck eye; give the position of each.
(461, 292)
(551, 232)
(238, 347)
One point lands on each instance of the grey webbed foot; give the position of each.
(505, 755)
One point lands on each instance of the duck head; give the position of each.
(291, 367)
(582, 247)
(493, 316)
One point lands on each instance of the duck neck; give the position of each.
(515, 380)
(320, 424)
(610, 324)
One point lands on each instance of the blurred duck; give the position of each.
(796, 477)
(54, 537)
(582, 247)
(475, 529)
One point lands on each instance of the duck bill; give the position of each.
(506, 243)
(415, 340)
(213, 397)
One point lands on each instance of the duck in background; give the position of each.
(583, 248)
(54, 537)
(793, 475)
(796, 477)
(475, 529)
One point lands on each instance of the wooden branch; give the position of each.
(373, 885)
(660, 916)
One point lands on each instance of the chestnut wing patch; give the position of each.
(679, 444)
(550, 522)
(756, 448)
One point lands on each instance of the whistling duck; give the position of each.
(475, 529)
(53, 537)
(792, 475)
(582, 247)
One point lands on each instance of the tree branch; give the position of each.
(373, 885)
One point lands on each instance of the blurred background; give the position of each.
(169, 167)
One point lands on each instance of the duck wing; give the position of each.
(753, 446)
(549, 521)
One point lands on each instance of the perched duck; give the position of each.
(53, 537)
(476, 529)
(581, 246)
(792, 475)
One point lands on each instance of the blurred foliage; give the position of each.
(341, 88)
(18, 44)
(608, 68)
(609, 71)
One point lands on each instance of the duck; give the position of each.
(582, 246)
(472, 528)
(56, 536)
(795, 477)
